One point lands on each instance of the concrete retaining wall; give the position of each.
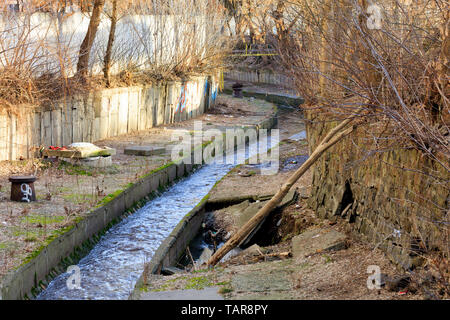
(260, 76)
(103, 114)
(174, 246)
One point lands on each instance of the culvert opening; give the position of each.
(278, 227)
(222, 219)
(268, 234)
(346, 203)
(212, 235)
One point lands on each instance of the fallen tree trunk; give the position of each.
(331, 139)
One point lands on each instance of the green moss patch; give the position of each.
(198, 283)
(7, 245)
(43, 220)
(77, 170)
(78, 198)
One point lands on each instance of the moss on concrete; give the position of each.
(198, 283)
(80, 170)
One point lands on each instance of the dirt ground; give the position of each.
(66, 192)
(340, 275)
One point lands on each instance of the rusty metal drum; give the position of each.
(237, 90)
(22, 188)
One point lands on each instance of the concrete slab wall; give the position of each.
(260, 76)
(174, 246)
(103, 114)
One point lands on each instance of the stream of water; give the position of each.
(113, 266)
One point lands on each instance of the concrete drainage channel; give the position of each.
(111, 269)
(171, 254)
(110, 245)
(154, 231)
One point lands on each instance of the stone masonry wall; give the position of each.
(392, 205)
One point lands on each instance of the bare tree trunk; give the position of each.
(108, 55)
(86, 45)
(278, 16)
(334, 136)
(443, 68)
(323, 50)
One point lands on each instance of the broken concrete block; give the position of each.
(209, 293)
(318, 240)
(168, 271)
(144, 150)
(80, 150)
(93, 162)
(397, 283)
(253, 250)
(289, 198)
(232, 253)
(204, 256)
(242, 217)
(261, 281)
(245, 211)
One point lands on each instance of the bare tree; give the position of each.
(86, 45)
(108, 55)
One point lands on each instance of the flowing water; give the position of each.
(113, 266)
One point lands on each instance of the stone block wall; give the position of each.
(397, 200)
